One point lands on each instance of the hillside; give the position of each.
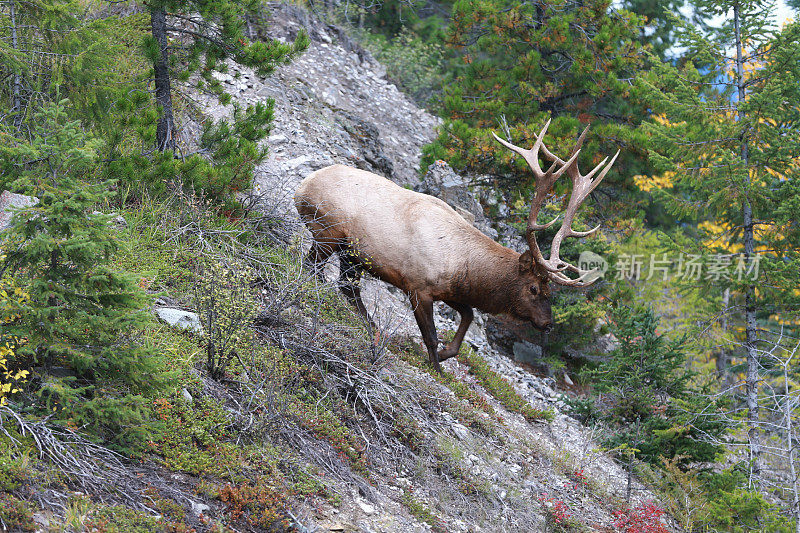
(168, 363)
(339, 434)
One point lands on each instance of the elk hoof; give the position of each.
(447, 353)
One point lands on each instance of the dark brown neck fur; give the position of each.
(491, 284)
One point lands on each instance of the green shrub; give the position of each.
(227, 307)
(82, 313)
(193, 437)
(15, 514)
(412, 63)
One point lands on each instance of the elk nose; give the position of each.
(548, 328)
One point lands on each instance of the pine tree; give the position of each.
(658, 28)
(646, 395)
(525, 62)
(725, 128)
(214, 31)
(82, 315)
(188, 38)
(35, 39)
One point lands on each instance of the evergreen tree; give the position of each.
(646, 394)
(214, 31)
(658, 17)
(82, 315)
(725, 137)
(525, 62)
(187, 37)
(36, 36)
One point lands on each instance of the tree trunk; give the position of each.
(751, 334)
(165, 130)
(16, 103)
(724, 354)
(789, 403)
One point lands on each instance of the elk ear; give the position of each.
(526, 262)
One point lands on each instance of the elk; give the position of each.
(421, 245)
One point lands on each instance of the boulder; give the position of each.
(9, 203)
(178, 318)
(526, 352)
(442, 181)
(199, 508)
(118, 222)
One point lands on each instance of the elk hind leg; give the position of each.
(423, 313)
(466, 319)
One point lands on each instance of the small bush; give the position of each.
(412, 63)
(14, 466)
(15, 514)
(226, 307)
(261, 504)
(557, 514)
(646, 518)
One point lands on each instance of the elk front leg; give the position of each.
(349, 279)
(466, 319)
(423, 312)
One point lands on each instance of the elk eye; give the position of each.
(534, 290)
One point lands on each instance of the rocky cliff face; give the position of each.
(335, 105)
(332, 105)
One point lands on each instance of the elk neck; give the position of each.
(491, 281)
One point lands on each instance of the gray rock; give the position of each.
(186, 395)
(469, 217)
(367, 508)
(441, 181)
(607, 343)
(199, 508)
(298, 162)
(502, 210)
(526, 352)
(460, 431)
(330, 96)
(370, 145)
(180, 319)
(119, 222)
(9, 203)
(324, 37)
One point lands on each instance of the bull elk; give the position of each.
(421, 245)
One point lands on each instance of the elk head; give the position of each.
(536, 270)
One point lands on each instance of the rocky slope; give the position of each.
(335, 105)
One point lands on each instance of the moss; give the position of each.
(121, 519)
(501, 389)
(14, 462)
(422, 512)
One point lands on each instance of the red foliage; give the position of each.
(646, 518)
(556, 510)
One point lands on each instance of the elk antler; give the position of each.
(582, 186)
